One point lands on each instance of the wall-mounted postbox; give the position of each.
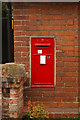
(42, 62)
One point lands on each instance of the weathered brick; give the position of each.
(12, 93)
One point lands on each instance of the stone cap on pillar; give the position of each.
(13, 73)
(13, 70)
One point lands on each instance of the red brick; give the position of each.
(58, 78)
(71, 74)
(69, 32)
(57, 17)
(44, 11)
(65, 17)
(69, 79)
(35, 33)
(58, 59)
(17, 43)
(18, 6)
(45, 17)
(70, 22)
(46, 22)
(28, 33)
(58, 28)
(68, 38)
(25, 43)
(17, 33)
(65, 48)
(75, 11)
(32, 27)
(70, 54)
(17, 54)
(19, 38)
(59, 64)
(71, 104)
(59, 54)
(75, 22)
(45, 28)
(55, 12)
(45, 99)
(77, 54)
(71, 64)
(77, 48)
(72, 84)
(57, 33)
(57, 22)
(17, 12)
(33, 11)
(70, 59)
(32, 17)
(44, 33)
(24, 22)
(59, 68)
(46, 6)
(21, 17)
(17, 22)
(31, 22)
(57, 99)
(71, 27)
(21, 28)
(54, 104)
(13, 114)
(59, 74)
(66, 89)
(21, 49)
(14, 101)
(25, 53)
(61, 104)
(70, 69)
(60, 84)
(21, 59)
(66, 94)
(46, 94)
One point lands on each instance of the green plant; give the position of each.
(36, 112)
(26, 116)
(39, 112)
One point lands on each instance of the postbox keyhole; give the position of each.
(37, 68)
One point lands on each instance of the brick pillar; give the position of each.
(12, 89)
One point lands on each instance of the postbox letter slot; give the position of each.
(43, 45)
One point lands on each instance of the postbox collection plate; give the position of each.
(42, 61)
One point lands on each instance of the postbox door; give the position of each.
(43, 72)
(42, 67)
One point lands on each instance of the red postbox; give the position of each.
(42, 61)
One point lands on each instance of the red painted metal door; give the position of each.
(42, 62)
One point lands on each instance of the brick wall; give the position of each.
(61, 21)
